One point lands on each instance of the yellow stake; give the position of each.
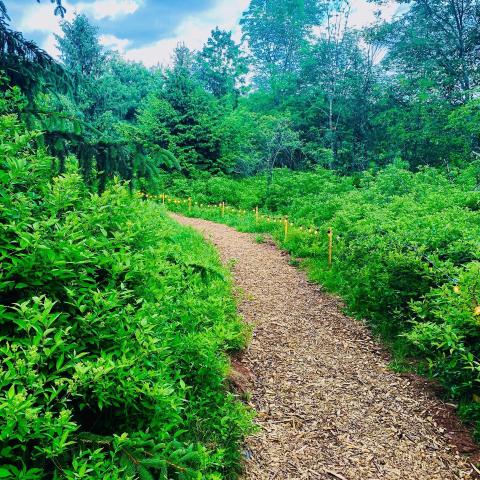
(286, 229)
(256, 215)
(330, 246)
(189, 204)
(163, 198)
(223, 209)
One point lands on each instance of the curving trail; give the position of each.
(327, 405)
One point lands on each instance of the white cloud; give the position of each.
(39, 18)
(114, 43)
(194, 32)
(109, 8)
(157, 53)
(50, 45)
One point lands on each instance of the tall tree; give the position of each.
(221, 66)
(184, 117)
(103, 100)
(276, 30)
(84, 58)
(335, 98)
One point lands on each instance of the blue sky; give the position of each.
(148, 30)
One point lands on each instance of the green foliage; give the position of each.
(220, 65)
(95, 121)
(80, 50)
(276, 31)
(367, 97)
(447, 332)
(403, 89)
(437, 40)
(254, 142)
(185, 119)
(114, 324)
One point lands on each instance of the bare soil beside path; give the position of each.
(328, 406)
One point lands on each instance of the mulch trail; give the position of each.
(328, 406)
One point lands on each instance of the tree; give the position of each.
(276, 30)
(183, 117)
(439, 40)
(335, 99)
(279, 144)
(80, 50)
(156, 121)
(84, 58)
(220, 65)
(411, 125)
(124, 85)
(108, 94)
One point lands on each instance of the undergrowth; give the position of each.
(405, 258)
(115, 323)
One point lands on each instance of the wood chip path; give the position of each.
(328, 406)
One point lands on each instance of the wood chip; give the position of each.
(336, 475)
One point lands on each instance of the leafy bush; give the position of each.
(114, 323)
(446, 329)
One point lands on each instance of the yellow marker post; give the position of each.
(256, 215)
(189, 204)
(286, 228)
(163, 199)
(223, 209)
(330, 246)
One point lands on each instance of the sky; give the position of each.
(148, 30)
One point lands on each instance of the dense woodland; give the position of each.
(308, 91)
(374, 131)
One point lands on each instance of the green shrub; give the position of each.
(114, 324)
(446, 330)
